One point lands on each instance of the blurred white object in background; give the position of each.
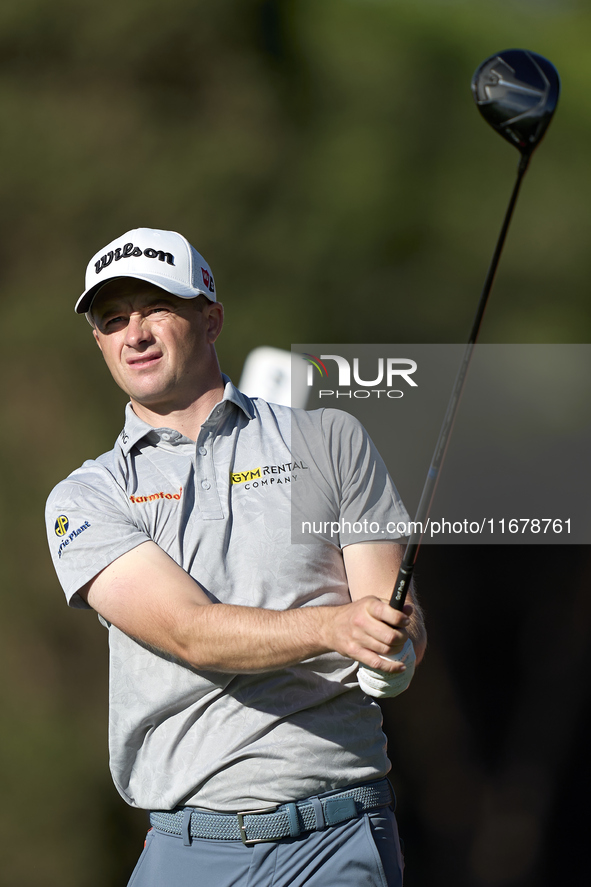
(267, 373)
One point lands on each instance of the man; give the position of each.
(234, 650)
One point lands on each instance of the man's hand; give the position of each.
(369, 629)
(381, 684)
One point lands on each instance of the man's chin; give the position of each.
(155, 401)
(150, 401)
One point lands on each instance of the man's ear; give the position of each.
(215, 320)
(96, 339)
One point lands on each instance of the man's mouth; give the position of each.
(143, 360)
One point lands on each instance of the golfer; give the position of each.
(244, 657)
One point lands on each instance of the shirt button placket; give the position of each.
(207, 493)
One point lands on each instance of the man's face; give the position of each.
(158, 347)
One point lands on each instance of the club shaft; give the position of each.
(405, 572)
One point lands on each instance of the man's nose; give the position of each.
(138, 330)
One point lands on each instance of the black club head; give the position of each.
(517, 92)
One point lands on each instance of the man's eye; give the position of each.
(113, 322)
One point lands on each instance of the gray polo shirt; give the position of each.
(228, 509)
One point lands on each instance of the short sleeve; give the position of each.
(370, 507)
(89, 525)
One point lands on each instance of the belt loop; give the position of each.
(292, 816)
(186, 826)
(318, 813)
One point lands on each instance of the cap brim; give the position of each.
(175, 287)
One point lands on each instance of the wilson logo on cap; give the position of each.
(129, 250)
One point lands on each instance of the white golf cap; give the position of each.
(163, 258)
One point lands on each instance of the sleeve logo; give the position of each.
(63, 530)
(61, 525)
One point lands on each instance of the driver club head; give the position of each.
(517, 91)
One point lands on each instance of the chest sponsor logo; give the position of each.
(268, 475)
(155, 497)
(240, 477)
(71, 536)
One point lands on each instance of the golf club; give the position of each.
(516, 91)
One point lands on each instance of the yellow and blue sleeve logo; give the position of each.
(61, 525)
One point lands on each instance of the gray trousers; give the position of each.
(363, 852)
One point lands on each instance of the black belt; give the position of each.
(278, 820)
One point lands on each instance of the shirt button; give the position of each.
(205, 484)
(165, 436)
(202, 451)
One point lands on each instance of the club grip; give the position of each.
(401, 586)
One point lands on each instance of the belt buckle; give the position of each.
(248, 842)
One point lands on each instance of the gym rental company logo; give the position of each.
(267, 476)
(389, 371)
(61, 527)
(128, 251)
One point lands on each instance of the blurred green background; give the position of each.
(327, 159)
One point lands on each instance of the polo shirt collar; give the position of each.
(135, 428)
(232, 394)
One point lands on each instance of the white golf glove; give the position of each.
(381, 683)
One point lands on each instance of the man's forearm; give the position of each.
(229, 638)
(148, 596)
(372, 568)
(236, 639)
